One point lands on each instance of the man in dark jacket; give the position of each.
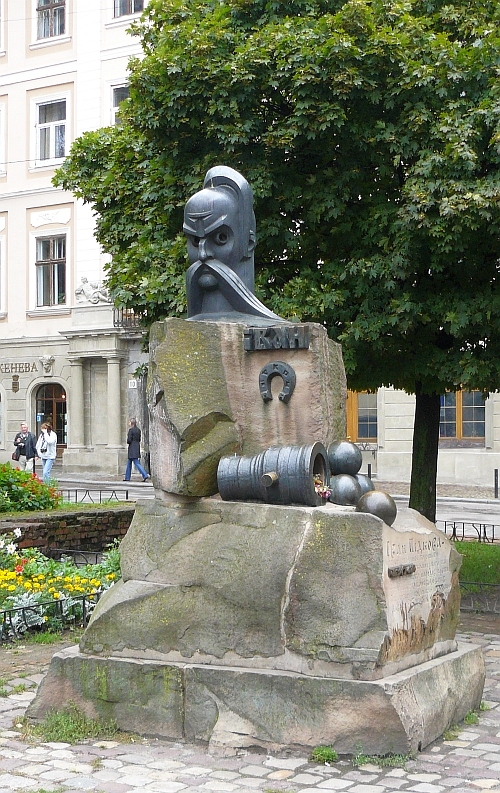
(25, 443)
(134, 452)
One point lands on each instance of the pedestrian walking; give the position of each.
(25, 452)
(134, 452)
(46, 449)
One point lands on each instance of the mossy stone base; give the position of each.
(234, 708)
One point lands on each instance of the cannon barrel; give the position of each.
(279, 475)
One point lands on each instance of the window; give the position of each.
(124, 7)
(362, 417)
(462, 419)
(50, 17)
(51, 131)
(51, 270)
(120, 93)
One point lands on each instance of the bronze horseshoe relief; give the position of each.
(277, 369)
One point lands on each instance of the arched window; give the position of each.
(51, 407)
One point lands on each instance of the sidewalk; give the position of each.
(470, 762)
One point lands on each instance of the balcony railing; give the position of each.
(126, 318)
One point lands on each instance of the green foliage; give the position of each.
(480, 562)
(471, 717)
(69, 725)
(369, 131)
(323, 754)
(383, 761)
(21, 491)
(370, 134)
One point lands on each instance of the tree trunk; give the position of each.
(425, 454)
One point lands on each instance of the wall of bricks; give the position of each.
(90, 530)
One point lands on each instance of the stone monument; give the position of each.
(249, 624)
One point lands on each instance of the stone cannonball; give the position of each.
(365, 483)
(378, 503)
(344, 458)
(345, 490)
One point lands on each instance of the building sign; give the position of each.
(18, 368)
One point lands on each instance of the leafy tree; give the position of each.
(369, 130)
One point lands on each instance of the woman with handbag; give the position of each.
(46, 449)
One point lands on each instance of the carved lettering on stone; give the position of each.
(276, 337)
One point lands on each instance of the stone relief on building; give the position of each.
(91, 292)
(47, 362)
(38, 219)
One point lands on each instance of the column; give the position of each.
(76, 405)
(114, 403)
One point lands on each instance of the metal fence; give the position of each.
(79, 558)
(67, 611)
(469, 530)
(479, 597)
(80, 495)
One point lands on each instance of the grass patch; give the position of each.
(452, 733)
(3, 692)
(19, 689)
(481, 562)
(484, 706)
(471, 718)
(383, 761)
(324, 755)
(69, 725)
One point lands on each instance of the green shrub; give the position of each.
(21, 491)
(324, 755)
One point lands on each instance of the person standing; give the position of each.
(46, 449)
(25, 443)
(134, 452)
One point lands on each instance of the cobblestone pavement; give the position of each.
(470, 762)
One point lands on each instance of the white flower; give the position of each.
(17, 532)
(2, 544)
(11, 547)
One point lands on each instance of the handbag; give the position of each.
(43, 445)
(16, 454)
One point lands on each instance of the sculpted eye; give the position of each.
(221, 237)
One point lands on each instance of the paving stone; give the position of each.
(426, 787)
(451, 781)
(227, 776)
(166, 787)
(394, 784)
(84, 783)
(396, 772)
(134, 780)
(254, 770)
(485, 784)
(281, 774)
(367, 789)
(109, 762)
(358, 776)
(492, 757)
(305, 779)
(220, 785)
(13, 782)
(287, 763)
(58, 775)
(203, 771)
(254, 783)
(335, 784)
(424, 777)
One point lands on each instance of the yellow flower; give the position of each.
(11, 588)
(57, 595)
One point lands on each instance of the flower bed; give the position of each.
(36, 591)
(21, 490)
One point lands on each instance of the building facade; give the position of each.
(65, 354)
(469, 445)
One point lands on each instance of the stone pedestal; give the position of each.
(205, 396)
(257, 625)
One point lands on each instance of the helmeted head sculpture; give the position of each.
(219, 224)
